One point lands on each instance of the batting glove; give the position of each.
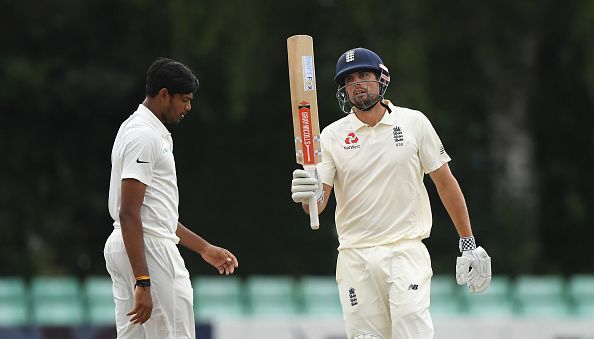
(473, 268)
(304, 187)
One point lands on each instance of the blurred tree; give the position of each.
(509, 86)
(506, 37)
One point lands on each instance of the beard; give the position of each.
(365, 100)
(172, 115)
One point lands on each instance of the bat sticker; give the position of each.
(308, 73)
(306, 138)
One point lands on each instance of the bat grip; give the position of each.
(313, 202)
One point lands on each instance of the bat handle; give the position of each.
(313, 202)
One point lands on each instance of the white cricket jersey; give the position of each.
(143, 150)
(377, 174)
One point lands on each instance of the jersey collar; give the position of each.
(153, 120)
(387, 119)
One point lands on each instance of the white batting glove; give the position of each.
(304, 187)
(473, 268)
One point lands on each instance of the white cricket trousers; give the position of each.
(171, 289)
(384, 291)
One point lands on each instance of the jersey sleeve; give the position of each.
(431, 150)
(326, 168)
(139, 156)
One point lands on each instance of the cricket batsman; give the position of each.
(375, 158)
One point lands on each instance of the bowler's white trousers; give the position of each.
(171, 289)
(384, 291)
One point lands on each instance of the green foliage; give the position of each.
(72, 71)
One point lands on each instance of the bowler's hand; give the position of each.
(143, 305)
(223, 260)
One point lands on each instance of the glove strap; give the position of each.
(320, 198)
(467, 244)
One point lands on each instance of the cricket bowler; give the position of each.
(151, 286)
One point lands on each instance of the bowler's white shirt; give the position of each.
(143, 150)
(377, 174)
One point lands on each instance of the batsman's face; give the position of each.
(362, 88)
(178, 107)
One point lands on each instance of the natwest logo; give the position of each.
(351, 139)
(350, 142)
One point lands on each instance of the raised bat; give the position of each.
(304, 104)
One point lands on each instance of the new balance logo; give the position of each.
(413, 287)
(441, 150)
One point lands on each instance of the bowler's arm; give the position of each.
(220, 258)
(131, 224)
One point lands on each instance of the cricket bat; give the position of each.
(304, 105)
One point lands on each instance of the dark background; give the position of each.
(508, 85)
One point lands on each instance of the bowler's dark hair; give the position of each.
(176, 77)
